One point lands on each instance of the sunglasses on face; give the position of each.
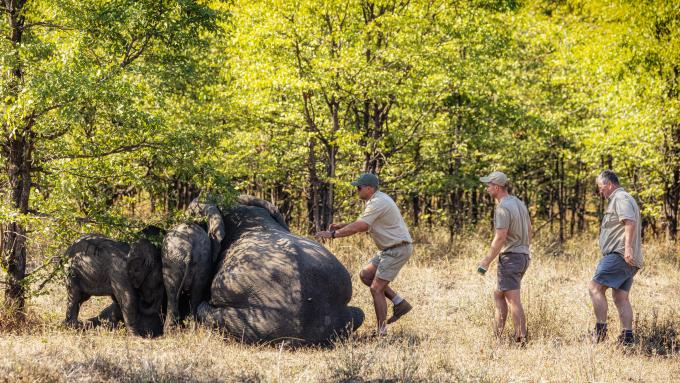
(359, 187)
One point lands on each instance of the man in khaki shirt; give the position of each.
(383, 221)
(511, 246)
(620, 244)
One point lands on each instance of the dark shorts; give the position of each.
(511, 269)
(614, 272)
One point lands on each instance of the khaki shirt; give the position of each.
(386, 225)
(621, 206)
(512, 214)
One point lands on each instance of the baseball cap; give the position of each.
(367, 179)
(498, 178)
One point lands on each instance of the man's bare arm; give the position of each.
(499, 240)
(629, 233)
(357, 226)
(346, 230)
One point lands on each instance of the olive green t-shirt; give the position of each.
(512, 214)
(386, 225)
(621, 206)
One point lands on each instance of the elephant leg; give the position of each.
(200, 288)
(240, 322)
(127, 300)
(175, 280)
(76, 297)
(196, 299)
(172, 316)
(111, 315)
(215, 247)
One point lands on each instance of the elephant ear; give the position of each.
(141, 260)
(270, 207)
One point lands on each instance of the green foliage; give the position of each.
(133, 108)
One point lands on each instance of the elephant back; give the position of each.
(248, 200)
(260, 272)
(91, 258)
(186, 247)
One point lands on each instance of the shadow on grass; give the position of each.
(658, 336)
(361, 356)
(107, 370)
(14, 322)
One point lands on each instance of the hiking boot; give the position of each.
(521, 341)
(599, 335)
(399, 310)
(626, 339)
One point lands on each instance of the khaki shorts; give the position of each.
(390, 261)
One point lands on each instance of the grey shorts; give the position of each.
(613, 271)
(390, 261)
(511, 269)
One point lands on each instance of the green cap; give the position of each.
(367, 179)
(498, 178)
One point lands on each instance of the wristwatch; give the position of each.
(332, 233)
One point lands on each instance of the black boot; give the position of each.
(626, 338)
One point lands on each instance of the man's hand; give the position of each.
(323, 234)
(336, 226)
(485, 263)
(628, 257)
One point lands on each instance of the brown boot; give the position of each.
(399, 310)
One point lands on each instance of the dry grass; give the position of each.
(447, 337)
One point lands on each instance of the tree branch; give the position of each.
(118, 150)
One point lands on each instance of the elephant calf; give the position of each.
(272, 284)
(215, 224)
(187, 268)
(130, 275)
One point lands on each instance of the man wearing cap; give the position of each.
(383, 221)
(511, 241)
(620, 238)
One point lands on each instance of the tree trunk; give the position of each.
(561, 208)
(17, 148)
(415, 206)
(312, 191)
(474, 206)
(283, 200)
(14, 241)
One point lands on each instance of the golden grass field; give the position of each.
(447, 337)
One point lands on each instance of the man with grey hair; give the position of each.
(511, 240)
(383, 221)
(620, 244)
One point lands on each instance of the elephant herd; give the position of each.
(240, 270)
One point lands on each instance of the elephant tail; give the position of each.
(184, 279)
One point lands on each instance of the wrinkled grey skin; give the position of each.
(215, 225)
(273, 285)
(187, 268)
(130, 275)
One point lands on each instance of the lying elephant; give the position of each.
(271, 284)
(130, 275)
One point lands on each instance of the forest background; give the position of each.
(116, 114)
